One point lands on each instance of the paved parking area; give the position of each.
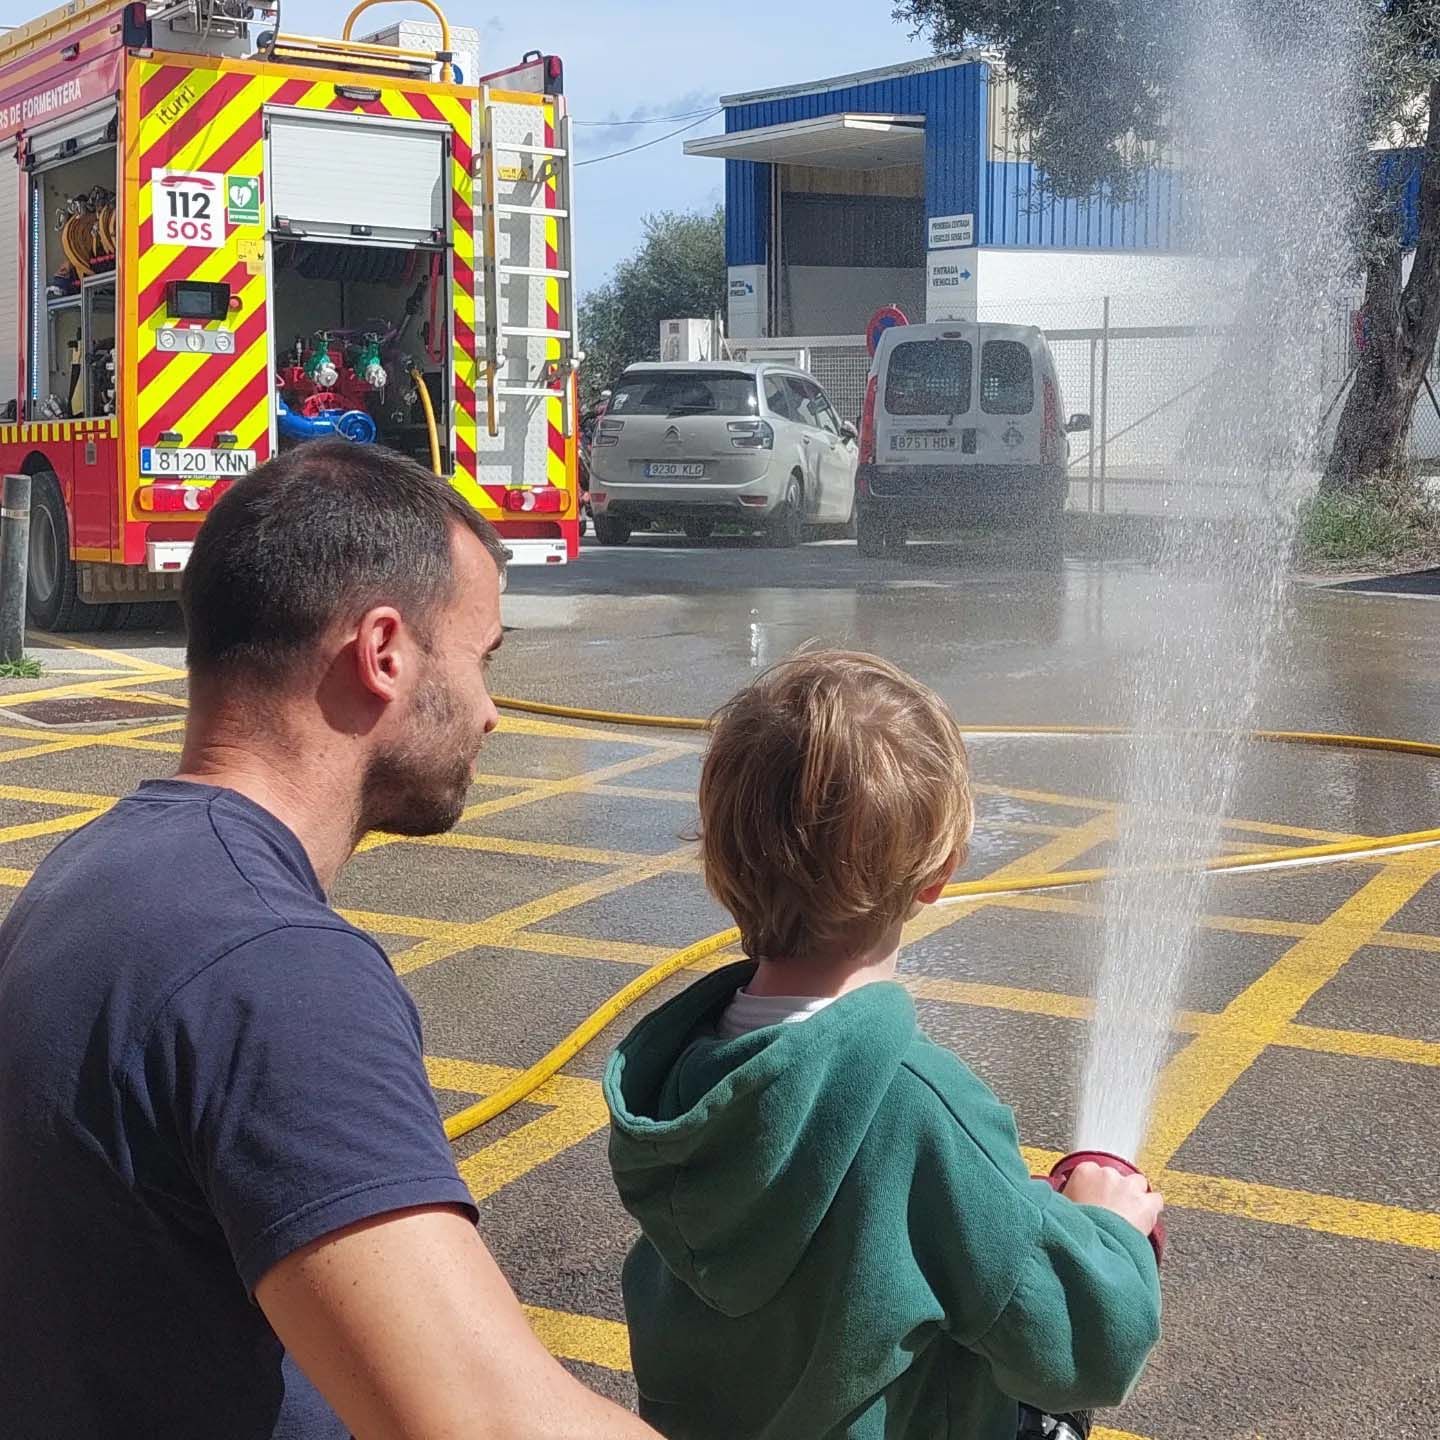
(1295, 1134)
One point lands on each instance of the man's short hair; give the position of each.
(313, 539)
(834, 790)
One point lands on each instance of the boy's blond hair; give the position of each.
(834, 790)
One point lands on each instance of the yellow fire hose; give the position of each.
(429, 410)
(530, 1080)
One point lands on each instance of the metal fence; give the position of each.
(1145, 385)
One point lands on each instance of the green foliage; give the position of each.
(678, 271)
(1363, 529)
(1094, 78)
(26, 668)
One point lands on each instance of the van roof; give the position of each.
(936, 330)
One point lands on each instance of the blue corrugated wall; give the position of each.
(1018, 211)
(949, 99)
(1006, 198)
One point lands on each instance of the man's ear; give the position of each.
(932, 890)
(382, 653)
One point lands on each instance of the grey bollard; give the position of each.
(14, 561)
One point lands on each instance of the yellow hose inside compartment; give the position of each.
(530, 1080)
(429, 410)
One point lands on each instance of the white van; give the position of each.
(963, 425)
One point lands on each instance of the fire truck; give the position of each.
(219, 240)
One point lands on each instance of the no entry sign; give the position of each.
(880, 322)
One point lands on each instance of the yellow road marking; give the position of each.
(574, 1111)
(533, 849)
(78, 687)
(1331, 1214)
(586, 947)
(1360, 1044)
(498, 929)
(1196, 1079)
(584, 1338)
(1052, 855)
(137, 664)
(570, 785)
(57, 825)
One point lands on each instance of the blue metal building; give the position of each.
(908, 184)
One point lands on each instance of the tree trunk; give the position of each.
(1403, 325)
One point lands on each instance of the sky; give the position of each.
(631, 60)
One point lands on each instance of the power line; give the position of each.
(646, 144)
(649, 120)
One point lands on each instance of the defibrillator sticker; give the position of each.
(185, 207)
(242, 199)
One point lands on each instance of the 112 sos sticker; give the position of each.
(188, 208)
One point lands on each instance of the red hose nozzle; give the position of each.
(1060, 1175)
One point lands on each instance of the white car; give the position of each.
(711, 442)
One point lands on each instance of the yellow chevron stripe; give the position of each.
(180, 368)
(255, 427)
(152, 128)
(205, 414)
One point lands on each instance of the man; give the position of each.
(225, 1191)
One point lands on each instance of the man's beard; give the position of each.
(419, 787)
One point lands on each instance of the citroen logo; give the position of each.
(672, 433)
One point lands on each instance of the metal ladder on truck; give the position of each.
(540, 166)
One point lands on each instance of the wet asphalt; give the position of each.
(1302, 1286)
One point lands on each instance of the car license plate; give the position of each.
(672, 470)
(942, 440)
(199, 464)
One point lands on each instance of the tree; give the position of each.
(1097, 81)
(678, 271)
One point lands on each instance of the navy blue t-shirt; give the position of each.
(202, 1068)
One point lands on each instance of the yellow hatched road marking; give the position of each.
(498, 929)
(1052, 855)
(1199, 1077)
(574, 1111)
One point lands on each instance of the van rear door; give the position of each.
(1010, 424)
(926, 394)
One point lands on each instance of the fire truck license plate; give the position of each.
(207, 464)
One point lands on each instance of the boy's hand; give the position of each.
(1128, 1196)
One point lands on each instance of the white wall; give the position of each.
(1065, 289)
(840, 299)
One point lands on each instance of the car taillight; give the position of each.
(867, 423)
(1050, 426)
(608, 432)
(751, 434)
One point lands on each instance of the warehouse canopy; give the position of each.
(842, 142)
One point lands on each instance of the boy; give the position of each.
(840, 1237)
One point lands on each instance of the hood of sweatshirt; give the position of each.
(729, 1152)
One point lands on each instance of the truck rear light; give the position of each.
(1050, 426)
(597, 497)
(608, 432)
(751, 434)
(867, 422)
(548, 501)
(176, 499)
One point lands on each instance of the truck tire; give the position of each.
(785, 528)
(51, 600)
(612, 530)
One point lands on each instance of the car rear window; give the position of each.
(1007, 378)
(682, 392)
(929, 377)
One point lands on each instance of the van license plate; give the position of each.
(203, 464)
(668, 470)
(943, 441)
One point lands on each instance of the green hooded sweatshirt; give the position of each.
(840, 1238)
